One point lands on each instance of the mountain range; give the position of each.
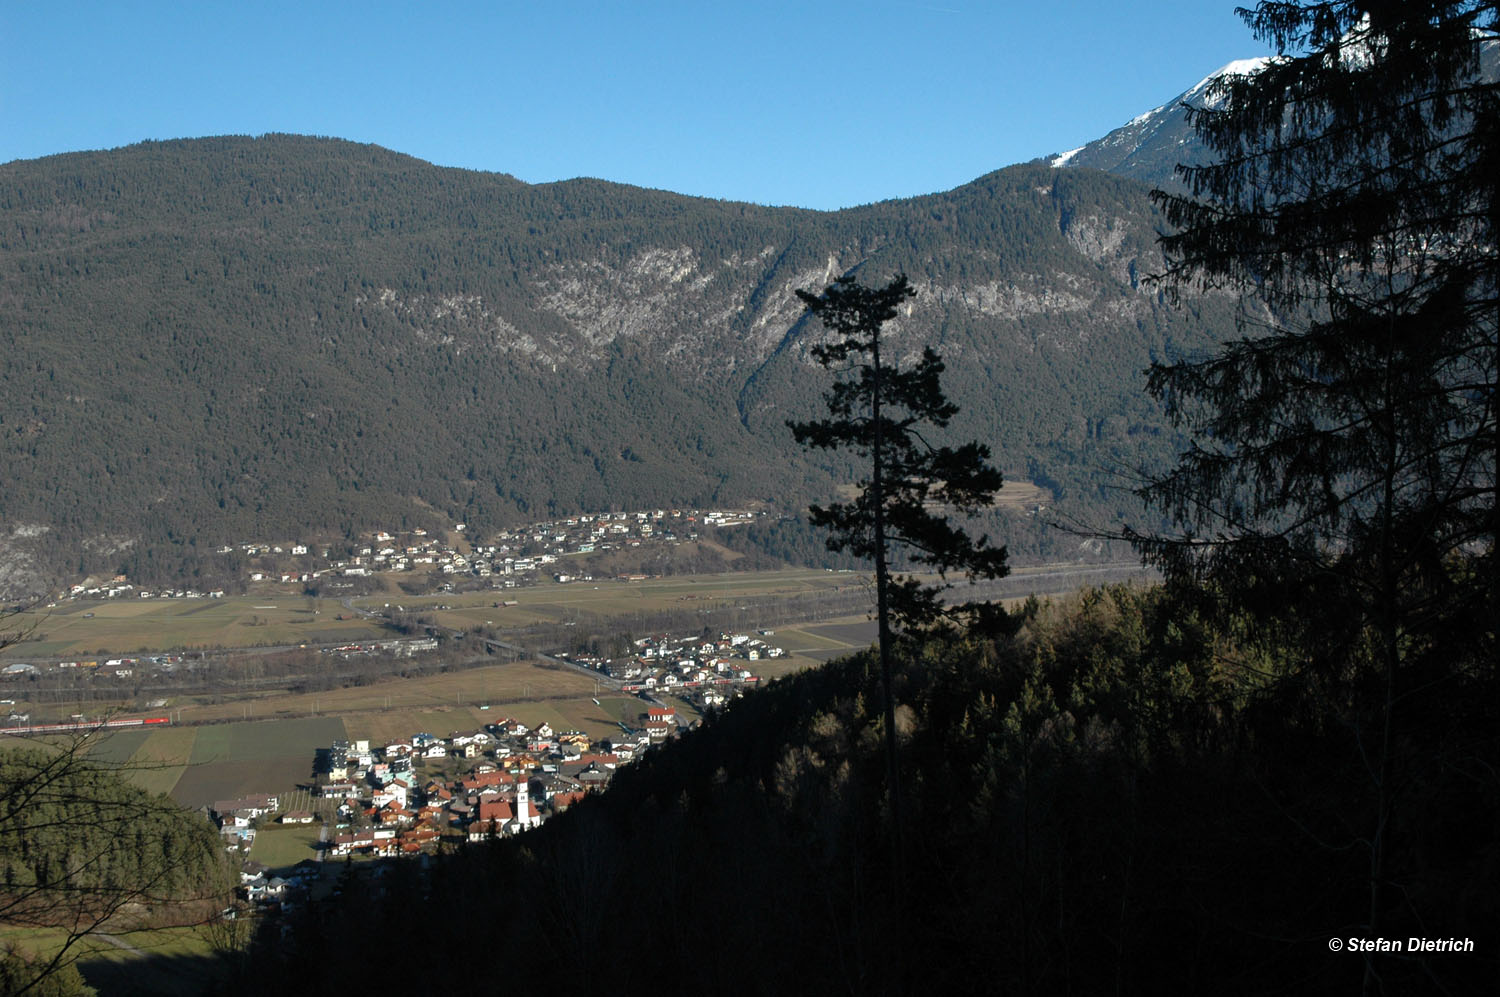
(281, 336)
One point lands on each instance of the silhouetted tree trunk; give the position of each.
(881, 413)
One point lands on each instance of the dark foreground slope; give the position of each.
(1120, 799)
(228, 338)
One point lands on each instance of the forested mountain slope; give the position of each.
(1125, 797)
(220, 338)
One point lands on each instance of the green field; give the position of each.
(117, 747)
(153, 759)
(280, 847)
(177, 960)
(611, 710)
(268, 756)
(263, 741)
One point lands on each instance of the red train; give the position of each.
(74, 726)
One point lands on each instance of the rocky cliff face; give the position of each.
(713, 315)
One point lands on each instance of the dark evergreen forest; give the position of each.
(1125, 797)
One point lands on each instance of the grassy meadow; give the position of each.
(175, 960)
(89, 629)
(551, 602)
(278, 615)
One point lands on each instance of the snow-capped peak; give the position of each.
(1149, 144)
(1243, 67)
(1239, 67)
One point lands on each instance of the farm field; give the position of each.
(815, 643)
(577, 712)
(199, 765)
(155, 759)
(255, 757)
(553, 602)
(117, 747)
(385, 726)
(279, 616)
(460, 689)
(115, 627)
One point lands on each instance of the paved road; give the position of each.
(119, 943)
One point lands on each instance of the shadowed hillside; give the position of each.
(1125, 797)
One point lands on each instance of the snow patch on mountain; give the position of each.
(1239, 67)
(1063, 159)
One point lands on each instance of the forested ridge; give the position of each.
(70, 828)
(84, 852)
(223, 338)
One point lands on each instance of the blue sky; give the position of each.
(817, 104)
